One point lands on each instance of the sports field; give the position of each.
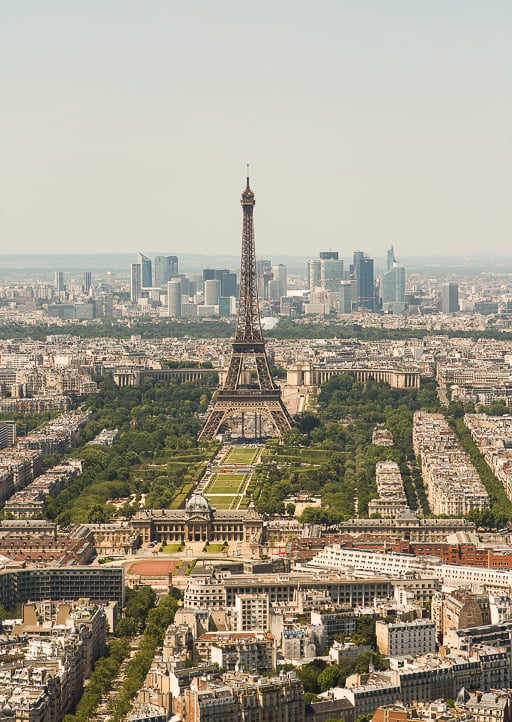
(226, 484)
(153, 568)
(243, 456)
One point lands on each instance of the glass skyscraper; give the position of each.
(146, 270)
(166, 267)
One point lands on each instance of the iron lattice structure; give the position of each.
(248, 386)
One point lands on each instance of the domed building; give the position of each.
(198, 503)
(199, 522)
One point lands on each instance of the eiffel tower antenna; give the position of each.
(248, 386)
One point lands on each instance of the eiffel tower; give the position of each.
(248, 386)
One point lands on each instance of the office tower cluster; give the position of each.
(159, 283)
(272, 281)
(148, 279)
(329, 289)
(142, 277)
(75, 297)
(332, 289)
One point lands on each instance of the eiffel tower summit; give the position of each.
(248, 386)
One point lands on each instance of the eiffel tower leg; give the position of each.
(213, 422)
(280, 416)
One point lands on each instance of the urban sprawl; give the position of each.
(354, 566)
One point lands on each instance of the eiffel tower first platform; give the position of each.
(248, 386)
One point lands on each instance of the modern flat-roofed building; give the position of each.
(135, 282)
(449, 297)
(103, 584)
(252, 612)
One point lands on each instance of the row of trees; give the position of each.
(114, 328)
(137, 668)
(305, 328)
(501, 506)
(286, 329)
(107, 668)
(27, 422)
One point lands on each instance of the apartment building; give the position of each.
(407, 525)
(393, 565)
(252, 612)
(458, 610)
(46, 657)
(451, 481)
(253, 652)
(428, 678)
(234, 697)
(406, 638)
(284, 588)
(391, 497)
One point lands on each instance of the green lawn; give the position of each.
(179, 500)
(169, 548)
(214, 548)
(226, 483)
(222, 502)
(241, 456)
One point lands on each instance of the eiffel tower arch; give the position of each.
(248, 386)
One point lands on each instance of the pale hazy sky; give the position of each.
(126, 125)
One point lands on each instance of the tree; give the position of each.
(308, 675)
(365, 631)
(364, 660)
(290, 509)
(126, 627)
(292, 438)
(306, 422)
(364, 717)
(5, 613)
(97, 514)
(329, 677)
(488, 518)
(317, 515)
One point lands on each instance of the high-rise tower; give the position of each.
(135, 282)
(174, 290)
(58, 281)
(87, 281)
(392, 285)
(449, 297)
(331, 274)
(146, 270)
(390, 259)
(248, 386)
(362, 271)
(166, 267)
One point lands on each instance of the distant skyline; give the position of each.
(126, 126)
